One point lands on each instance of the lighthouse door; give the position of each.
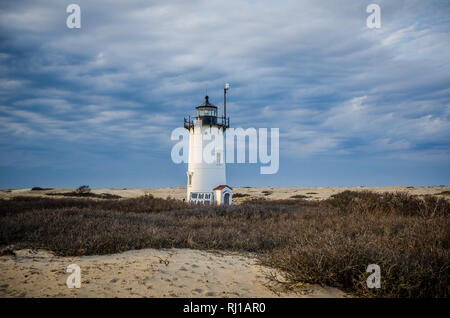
(226, 199)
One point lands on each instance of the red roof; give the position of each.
(221, 187)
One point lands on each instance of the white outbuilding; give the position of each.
(223, 194)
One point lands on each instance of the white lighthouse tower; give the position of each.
(206, 175)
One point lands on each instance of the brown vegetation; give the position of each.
(40, 189)
(240, 195)
(85, 191)
(85, 195)
(300, 196)
(330, 242)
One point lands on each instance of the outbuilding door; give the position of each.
(226, 199)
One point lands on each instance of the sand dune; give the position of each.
(144, 273)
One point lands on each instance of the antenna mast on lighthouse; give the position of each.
(227, 87)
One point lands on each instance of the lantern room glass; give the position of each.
(207, 111)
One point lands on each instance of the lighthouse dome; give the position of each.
(207, 112)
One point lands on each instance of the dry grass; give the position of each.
(329, 242)
(300, 196)
(240, 195)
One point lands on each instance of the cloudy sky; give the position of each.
(97, 105)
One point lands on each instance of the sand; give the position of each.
(145, 273)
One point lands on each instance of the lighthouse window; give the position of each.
(189, 179)
(206, 112)
(218, 158)
(197, 197)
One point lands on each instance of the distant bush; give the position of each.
(266, 192)
(85, 195)
(240, 195)
(40, 189)
(84, 189)
(299, 203)
(300, 196)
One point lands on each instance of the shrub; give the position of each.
(329, 243)
(84, 189)
(336, 249)
(240, 195)
(300, 196)
(399, 203)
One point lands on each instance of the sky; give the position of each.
(96, 105)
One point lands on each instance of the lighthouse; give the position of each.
(206, 174)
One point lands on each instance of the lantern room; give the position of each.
(207, 112)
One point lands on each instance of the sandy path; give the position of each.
(142, 273)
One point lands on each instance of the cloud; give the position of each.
(136, 68)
